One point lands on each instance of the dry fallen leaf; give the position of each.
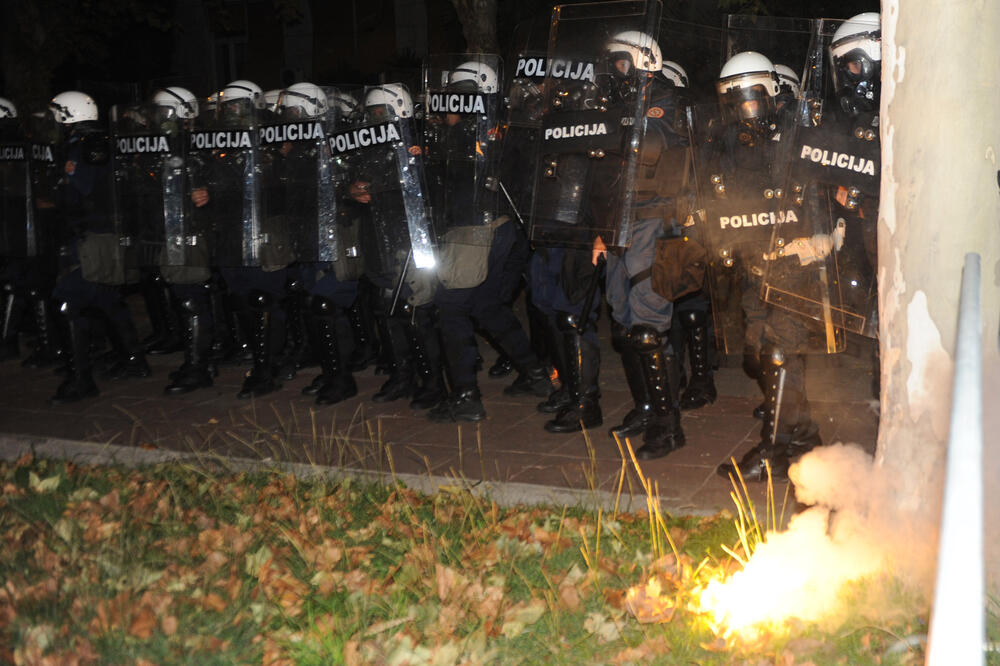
(169, 625)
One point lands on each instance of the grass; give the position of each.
(195, 563)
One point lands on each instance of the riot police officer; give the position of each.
(92, 265)
(642, 317)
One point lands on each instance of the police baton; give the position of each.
(588, 298)
(399, 285)
(510, 201)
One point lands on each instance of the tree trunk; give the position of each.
(479, 24)
(940, 200)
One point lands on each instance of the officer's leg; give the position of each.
(459, 339)
(700, 389)
(638, 417)
(48, 348)
(297, 353)
(401, 382)
(337, 381)
(130, 361)
(262, 378)
(165, 315)
(428, 358)
(79, 382)
(663, 433)
(362, 318)
(196, 371)
(583, 363)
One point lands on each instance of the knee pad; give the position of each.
(644, 338)
(771, 356)
(693, 318)
(260, 300)
(567, 322)
(322, 307)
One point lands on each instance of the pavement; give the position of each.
(509, 453)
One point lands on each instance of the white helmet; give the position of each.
(73, 107)
(181, 100)
(306, 98)
(482, 75)
(747, 88)
(856, 55)
(641, 50)
(346, 103)
(788, 80)
(7, 108)
(242, 89)
(393, 96)
(674, 73)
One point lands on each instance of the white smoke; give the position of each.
(852, 532)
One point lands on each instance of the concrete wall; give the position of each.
(940, 200)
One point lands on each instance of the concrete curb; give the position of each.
(505, 494)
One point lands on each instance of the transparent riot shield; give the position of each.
(523, 122)
(382, 182)
(150, 202)
(462, 95)
(224, 150)
(739, 173)
(592, 125)
(295, 180)
(17, 231)
(825, 271)
(45, 173)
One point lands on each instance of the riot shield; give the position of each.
(224, 150)
(296, 183)
(741, 177)
(522, 126)
(592, 126)
(382, 181)
(151, 205)
(461, 139)
(45, 173)
(17, 229)
(825, 271)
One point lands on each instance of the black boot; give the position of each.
(428, 360)
(400, 383)
(48, 350)
(532, 380)
(296, 352)
(170, 337)
(129, 360)
(464, 405)
(261, 379)
(502, 367)
(560, 397)
(583, 360)
(9, 325)
(195, 373)
(700, 389)
(337, 381)
(79, 383)
(788, 432)
(751, 366)
(663, 433)
(638, 417)
(362, 321)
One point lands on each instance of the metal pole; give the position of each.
(958, 622)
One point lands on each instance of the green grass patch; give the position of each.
(181, 564)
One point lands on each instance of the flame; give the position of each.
(799, 573)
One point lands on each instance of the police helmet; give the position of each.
(7, 108)
(856, 55)
(639, 49)
(303, 100)
(344, 102)
(242, 89)
(747, 88)
(181, 100)
(390, 98)
(483, 76)
(788, 80)
(270, 99)
(73, 107)
(674, 74)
